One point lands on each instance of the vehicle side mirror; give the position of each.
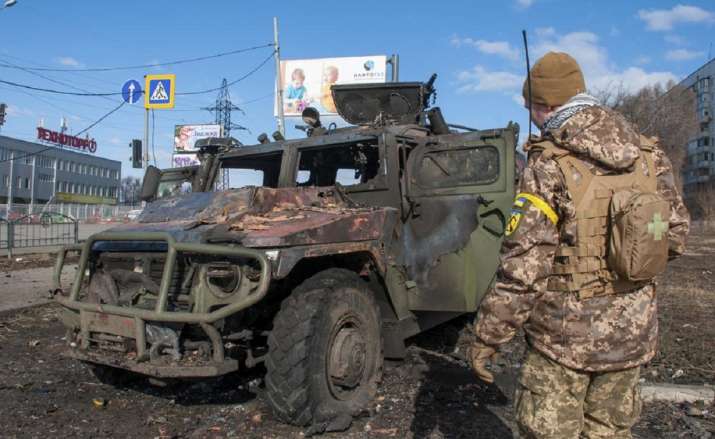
(150, 184)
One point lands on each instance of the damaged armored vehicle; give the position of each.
(330, 251)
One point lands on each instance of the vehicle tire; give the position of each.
(324, 357)
(111, 376)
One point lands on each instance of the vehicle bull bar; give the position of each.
(160, 313)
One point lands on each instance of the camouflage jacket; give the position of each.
(597, 334)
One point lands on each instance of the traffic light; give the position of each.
(136, 147)
(3, 107)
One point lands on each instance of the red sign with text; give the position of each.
(85, 144)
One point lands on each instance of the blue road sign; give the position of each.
(131, 91)
(159, 91)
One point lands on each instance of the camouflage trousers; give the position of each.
(553, 401)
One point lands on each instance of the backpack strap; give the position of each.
(649, 181)
(576, 186)
(547, 148)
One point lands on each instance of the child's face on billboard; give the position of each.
(297, 81)
(332, 75)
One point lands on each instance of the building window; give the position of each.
(46, 162)
(29, 159)
(18, 181)
(27, 183)
(6, 180)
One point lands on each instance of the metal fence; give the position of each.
(4, 233)
(81, 212)
(38, 230)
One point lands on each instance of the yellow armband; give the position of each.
(540, 204)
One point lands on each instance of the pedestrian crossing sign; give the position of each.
(159, 91)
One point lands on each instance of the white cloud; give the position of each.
(674, 39)
(68, 61)
(480, 79)
(682, 55)
(666, 19)
(643, 59)
(500, 48)
(524, 3)
(518, 99)
(600, 72)
(635, 78)
(115, 141)
(545, 31)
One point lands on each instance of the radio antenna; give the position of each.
(528, 78)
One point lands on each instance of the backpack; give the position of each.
(621, 223)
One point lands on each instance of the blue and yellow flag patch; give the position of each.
(517, 211)
(520, 205)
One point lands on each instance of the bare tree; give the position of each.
(668, 113)
(704, 203)
(130, 189)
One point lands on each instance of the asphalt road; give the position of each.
(29, 287)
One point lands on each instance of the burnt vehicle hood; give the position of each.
(265, 217)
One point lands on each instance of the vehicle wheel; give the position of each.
(325, 350)
(111, 376)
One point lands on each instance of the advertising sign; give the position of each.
(185, 136)
(84, 144)
(183, 160)
(307, 82)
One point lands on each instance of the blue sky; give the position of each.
(474, 47)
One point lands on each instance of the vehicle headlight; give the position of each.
(223, 279)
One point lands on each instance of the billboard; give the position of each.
(185, 136)
(180, 160)
(306, 82)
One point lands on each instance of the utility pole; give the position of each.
(10, 194)
(279, 88)
(145, 161)
(395, 62)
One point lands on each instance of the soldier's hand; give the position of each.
(479, 354)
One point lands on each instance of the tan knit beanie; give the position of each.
(555, 78)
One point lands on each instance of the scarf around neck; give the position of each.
(572, 106)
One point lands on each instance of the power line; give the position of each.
(75, 135)
(140, 66)
(235, 81)
(53, 91)
(59, 92)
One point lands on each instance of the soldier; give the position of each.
(571, 274)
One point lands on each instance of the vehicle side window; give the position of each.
(347, 165)
(458, 167)
(261, 170)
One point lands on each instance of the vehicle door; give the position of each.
(459, 195)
